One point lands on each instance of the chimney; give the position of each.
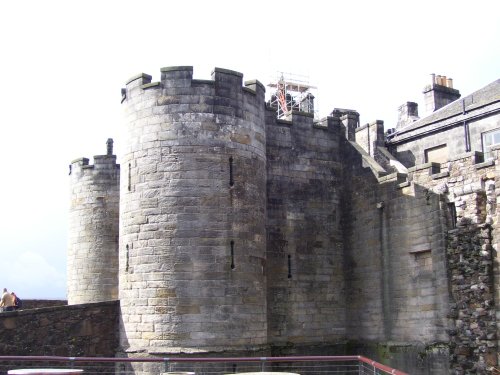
(439, 93)
(407, 114)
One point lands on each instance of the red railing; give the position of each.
(304, 365)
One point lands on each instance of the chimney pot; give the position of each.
(437, 97)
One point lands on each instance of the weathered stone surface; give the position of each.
(242, 232)
(69, 331)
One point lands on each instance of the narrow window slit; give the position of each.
(129, 178)
(231, 179)
(452, 214)
(126, 262)
(232, 255)
(289, 266)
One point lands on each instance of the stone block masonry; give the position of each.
(246, 235)
(93, 235)
(192, 214)
(306, 292)
(410, 247)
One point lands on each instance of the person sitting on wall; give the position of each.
(7, 301)
(17, 301)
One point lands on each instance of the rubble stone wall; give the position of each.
(69, 331)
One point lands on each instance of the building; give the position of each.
(228, 230)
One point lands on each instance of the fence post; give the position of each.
(262, 363)
(166, 361)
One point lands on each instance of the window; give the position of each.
(452, 215)
(490, 138)
(437, 154)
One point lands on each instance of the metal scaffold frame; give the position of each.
(291, 93)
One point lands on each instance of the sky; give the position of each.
(63, 64)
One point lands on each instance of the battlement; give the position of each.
(304, 120)
(101, 162)
(225, 93)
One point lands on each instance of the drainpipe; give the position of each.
(466, 130)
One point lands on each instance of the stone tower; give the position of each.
(192, 213)
(93, 229)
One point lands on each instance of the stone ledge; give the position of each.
(149, 85)
(433, 167)
(176, 68)
(399, 177)
(487, 163)
(403, 185)
(255, 82)
(283, 122)
(227, 71)
(139, 76)
(437, 176)
(302, 113)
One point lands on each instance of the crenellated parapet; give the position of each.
(224, 94)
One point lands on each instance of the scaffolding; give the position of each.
(290, 93)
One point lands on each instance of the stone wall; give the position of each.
(370, 136)
(419, 251)
(412, 152)
(78, 330)
(474, 332)
(470, 189)
(37, 303)
(241, 233)
(306, 292)
(397, 278)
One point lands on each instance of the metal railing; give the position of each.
(303, 365)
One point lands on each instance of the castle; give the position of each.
(227, 229)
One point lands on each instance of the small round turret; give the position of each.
(93, 229)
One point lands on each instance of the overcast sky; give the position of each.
(63, 64)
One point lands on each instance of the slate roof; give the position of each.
(478, 104)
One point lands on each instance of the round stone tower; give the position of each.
(192, 213)
(92, 274)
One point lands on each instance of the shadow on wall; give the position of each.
(78, 330)
(407, 158)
